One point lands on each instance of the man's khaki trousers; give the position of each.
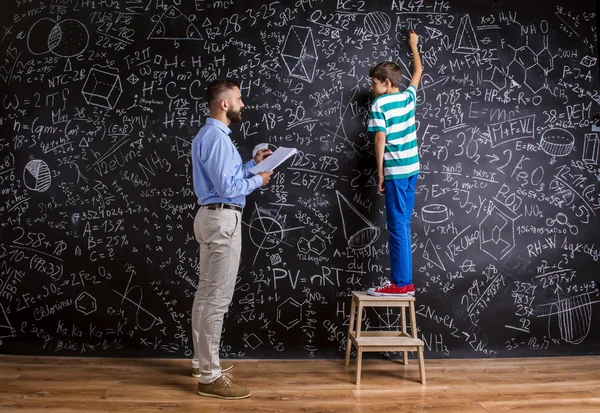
(220, 237)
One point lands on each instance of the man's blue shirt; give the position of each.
(219, 173)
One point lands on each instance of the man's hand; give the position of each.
(262, 155)
(413, 38)
(381, 181)
(266, 176)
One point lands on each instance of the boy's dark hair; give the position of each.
(218, 86)
(386, 70)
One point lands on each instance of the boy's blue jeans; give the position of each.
(399, 203)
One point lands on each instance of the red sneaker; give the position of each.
(389, 289)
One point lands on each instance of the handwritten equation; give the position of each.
(100, 103)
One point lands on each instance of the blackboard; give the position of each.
(100, 102)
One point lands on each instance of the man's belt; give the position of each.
(222, 206)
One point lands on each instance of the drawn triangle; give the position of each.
(341, 130)
(433, 32)
(466, 40)
(207, 22)
(290, 62)
(366, 234)
(247, 315)
(6, 329)
(431, 255)
(84, 143)
(174, 25)
(373, 179)
(68, 66)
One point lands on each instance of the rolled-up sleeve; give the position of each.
(376, 119)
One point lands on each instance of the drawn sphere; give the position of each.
(377, 23)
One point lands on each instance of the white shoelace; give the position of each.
(386, 283)
(226, 377)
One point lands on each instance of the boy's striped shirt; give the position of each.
(394, 114)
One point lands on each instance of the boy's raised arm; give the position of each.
(413, 40)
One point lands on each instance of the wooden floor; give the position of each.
(52, 384)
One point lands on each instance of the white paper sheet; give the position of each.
(273, 161)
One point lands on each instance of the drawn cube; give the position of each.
(591, 146)
(102, 88)
(588, 61)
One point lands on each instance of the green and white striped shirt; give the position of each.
(394, 114)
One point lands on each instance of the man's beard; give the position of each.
(233, 116)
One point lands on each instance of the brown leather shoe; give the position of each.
(225, 366)
(223, 388)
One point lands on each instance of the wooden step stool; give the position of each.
(383, 340)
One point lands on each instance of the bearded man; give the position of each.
(221, 183)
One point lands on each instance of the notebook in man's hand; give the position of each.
(274, 160)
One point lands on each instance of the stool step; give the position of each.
(377, 333)
(386, 301)
(376, 341)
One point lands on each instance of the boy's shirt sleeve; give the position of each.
(412, 93)
(376, 119)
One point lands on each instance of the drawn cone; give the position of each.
(366, 235)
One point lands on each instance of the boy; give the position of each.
(392, 119)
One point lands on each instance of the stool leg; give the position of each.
(350, 328)
(359, 312)
(404, 333)
(358, 365)
(421, 365)
(413, 320)
(403, 321)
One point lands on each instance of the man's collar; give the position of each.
(218, 124)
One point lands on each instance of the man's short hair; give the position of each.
(386, 70)
(217, 87)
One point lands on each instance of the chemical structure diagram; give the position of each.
(530, 68)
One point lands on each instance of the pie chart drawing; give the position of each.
(262, 233)
(36, 176)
